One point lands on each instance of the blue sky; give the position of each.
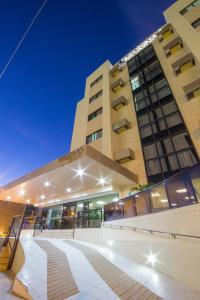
(40, 89)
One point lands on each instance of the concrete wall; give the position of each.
(178, 257)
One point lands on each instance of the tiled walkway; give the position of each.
(120, 282)
(90, 282)
(60, 281)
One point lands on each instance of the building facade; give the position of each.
(144, 111)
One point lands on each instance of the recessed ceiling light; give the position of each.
(100, 202)
(22, 192)
(68, 190)
(8, 198)
(42, 197)
(47, 184)
(102, 181)
(28, 201)
(80, 172)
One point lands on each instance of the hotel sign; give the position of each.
(72, 156)
(140, 47)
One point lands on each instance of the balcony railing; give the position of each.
(177, 191)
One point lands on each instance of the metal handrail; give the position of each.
(174, 235)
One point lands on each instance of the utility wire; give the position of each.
(22, 39)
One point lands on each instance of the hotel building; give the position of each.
(138, 123)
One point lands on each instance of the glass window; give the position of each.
(159, 200)
(96, 96)
(147, 130)
(94, 136)
(168, 145)
(95, 114)
(181, 141)
(195, 178)
(150, 151)
(186, 158)
(196, 23)
(145, 119)
(169, 108)
(135, 83)
(180, 191)
(153, 167)
(173, 120)
(195, 3)
(129, 207)
(142, 203)
(173, 162)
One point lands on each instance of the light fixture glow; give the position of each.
(115, 200)
(156, 194)
(28, 201)
(151, 259)
(181, 191)
(22, 192)
(100, 202)
(47, 183)
(80, 205)
(8, 198)
(68, 190)
(80, 172)
(42, 197)
(102, 181)
(163, 200)
(110, 243)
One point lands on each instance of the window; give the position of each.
(196, 23)
(135, 83)
(96, 80)
(97, 95)
(190, 7)
(95, 114)
(94, 136)
(180, 191)
(159, 200)
(142, 203)
(152, 71)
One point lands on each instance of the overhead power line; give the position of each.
(22, 39)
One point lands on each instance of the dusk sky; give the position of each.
(46, 78)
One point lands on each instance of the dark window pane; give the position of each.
(180, 191)
(186, 158)
(153, 167)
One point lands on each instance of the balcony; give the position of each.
(119, 103)
(124, 155)
(117, 85)
(116, 70)
(183, 64)
(165, 33)
(192, 90)
(174, 46)
(121, 126)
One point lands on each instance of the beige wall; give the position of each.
(181, 23)
(178, 257)
(7, 211)
(190, 110)
(110, 142)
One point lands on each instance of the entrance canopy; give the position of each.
(80, 173)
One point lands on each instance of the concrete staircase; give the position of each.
(4, 259)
